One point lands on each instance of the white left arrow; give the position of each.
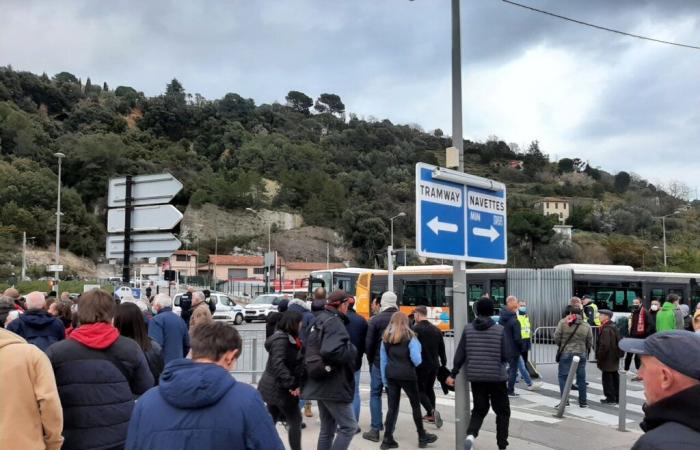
(490, 233)
(436, 226)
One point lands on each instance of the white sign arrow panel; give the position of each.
(436, 226)
(144, 218)
(145, 190)
(490, 233)
(152, 245)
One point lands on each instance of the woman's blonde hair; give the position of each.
(398, 329)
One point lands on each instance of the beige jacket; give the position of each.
(200, 315)
(31, 417)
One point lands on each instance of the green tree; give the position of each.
(566, 165)
(299, 101)
(622, 181)
(330, 103)
(530, 228)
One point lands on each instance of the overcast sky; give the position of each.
(620, 102)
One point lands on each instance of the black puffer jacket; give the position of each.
(482, 349)
(98, 383)
(672, 423)
(512, 333)
(284, 370)
(375, 331)
(338, 352)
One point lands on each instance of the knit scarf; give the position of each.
(641, 322)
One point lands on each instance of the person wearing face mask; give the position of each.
(525, 332)
(653, 311)
(639, 327)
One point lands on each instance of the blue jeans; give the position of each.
(512, 373)
(523, 371)
(375, 397)
(356, 400)
(338, 425)
(564, 367)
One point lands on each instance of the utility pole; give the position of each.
(390, 252)
(60, 157)
(459, 275)
(24, 256)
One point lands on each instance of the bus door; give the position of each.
(315, 283)
(475, 291)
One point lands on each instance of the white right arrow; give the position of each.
(436, 226)
(490, 233)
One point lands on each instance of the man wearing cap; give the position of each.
(671, 375)
(482, 352)
(608, 356)
(357, 329)
(335, 390)
(375, 331)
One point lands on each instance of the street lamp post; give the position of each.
(390, 252)
(663, 227)
(60, 157)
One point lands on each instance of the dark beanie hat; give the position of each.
(283, 305)
(484, 307)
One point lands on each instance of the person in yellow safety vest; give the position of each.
(524, 328)
(591, 311)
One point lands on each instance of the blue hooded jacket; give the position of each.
(200, 406)
(38, 328)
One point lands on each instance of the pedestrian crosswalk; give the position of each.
(539, 405)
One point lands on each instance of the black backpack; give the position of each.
(314, 365)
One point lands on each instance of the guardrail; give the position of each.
(544, 350)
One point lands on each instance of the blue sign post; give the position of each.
(460, 216)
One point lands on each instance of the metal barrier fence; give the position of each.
(544, 350)
(251, 363)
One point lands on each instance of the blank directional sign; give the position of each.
(460, 216)
(145, 190)
(145, 245)
(144, 218)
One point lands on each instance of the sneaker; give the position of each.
(583, 405)
(557, 405)
(438, 419)
(636, 378)
(513, 394)
(371, 435)
(307, 410)
(429, 419)
(389, 442)
(469, 443)
(605, 401)
(426, 439)
(574, 387)
(533, 387)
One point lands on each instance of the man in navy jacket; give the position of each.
(199, 405)
(168, 330)
(36, 325)
(513, 339)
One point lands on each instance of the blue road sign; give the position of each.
(458, 217)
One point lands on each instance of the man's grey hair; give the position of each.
(6, 300)
(163, 300)
(511, 298)
(575, 300)
(35, 300)
(199, 295)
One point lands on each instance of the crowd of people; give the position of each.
(94, 372)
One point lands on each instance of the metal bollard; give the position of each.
(622, 415)
(255, 360)
(567, 387)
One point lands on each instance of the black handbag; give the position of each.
(558, 357)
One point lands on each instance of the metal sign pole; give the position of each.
(459, 280)
(126, 275)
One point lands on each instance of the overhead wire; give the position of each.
(599, 27)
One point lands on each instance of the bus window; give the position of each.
(657, 294)
(345, 283)
(498, 292)
(476, 291)
(695, 299)
(424, 292)
(620, 301)
(603, 298)
(678, 292)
